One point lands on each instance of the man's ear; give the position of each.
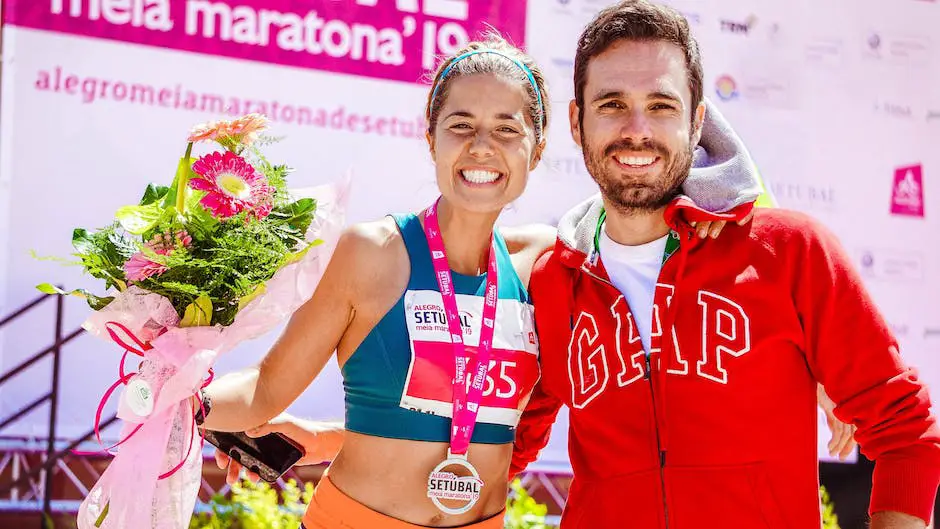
(697, 121)
(574, 121)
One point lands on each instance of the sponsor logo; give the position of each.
(803, 196)
(739, 27)
(750, 27)
(907, 193)
(759, 90)
(893, 109)
(826, 52)
(448, 486)
(769, 92)
(726, 88)
(891, 264)
(432, 317)
(901, 49)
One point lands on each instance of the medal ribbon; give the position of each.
(467, 397)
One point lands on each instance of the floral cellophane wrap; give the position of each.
(175, 367)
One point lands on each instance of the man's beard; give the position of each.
(638, 196)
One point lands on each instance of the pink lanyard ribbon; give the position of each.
(466, 400)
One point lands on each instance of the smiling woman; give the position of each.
(435, 376)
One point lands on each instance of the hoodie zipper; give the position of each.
(659, 446)
(649, 378)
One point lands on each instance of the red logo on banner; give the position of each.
(907, 195)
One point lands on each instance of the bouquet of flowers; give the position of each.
(222, 255)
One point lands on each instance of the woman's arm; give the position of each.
(253, 396)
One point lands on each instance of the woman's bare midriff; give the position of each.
(390, 476)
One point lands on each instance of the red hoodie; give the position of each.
(718, 427)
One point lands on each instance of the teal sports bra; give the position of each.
(398, 382)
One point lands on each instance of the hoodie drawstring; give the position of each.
(575, 281)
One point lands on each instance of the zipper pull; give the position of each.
(648, 368)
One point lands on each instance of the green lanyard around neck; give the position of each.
(672, 243)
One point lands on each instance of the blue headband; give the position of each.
(525, 69)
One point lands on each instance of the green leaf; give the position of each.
(183, 168)
(198, 313)
(298, 214)
(199, 221)
(153, 194)
(297, 256)
(260, 289)
(82, 242)
(99, 256)
(95, 302)
(181, 288)
(54, 259)
(124, 247)
(139, 219)
(47, 288)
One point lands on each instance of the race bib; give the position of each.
(513, 369)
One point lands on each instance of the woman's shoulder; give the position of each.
(373, 236)
(372, 250)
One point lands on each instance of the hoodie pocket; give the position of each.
(722, 496)
(632, 501)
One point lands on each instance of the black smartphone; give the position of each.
(269, 456)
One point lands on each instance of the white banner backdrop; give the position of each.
(839, 101)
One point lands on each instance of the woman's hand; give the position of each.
(321, 442)
(711, 228)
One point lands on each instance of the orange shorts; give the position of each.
(331, 509)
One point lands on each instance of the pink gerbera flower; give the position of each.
(245, 130)
(232, 185)
(242, 131)
(204, 131)
(140, 266)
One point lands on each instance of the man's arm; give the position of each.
(534, 429)
(852, 352)
(535, 426)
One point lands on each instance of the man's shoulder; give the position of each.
(780, 224)
(551, 274)
(789, 234)
(783, 218)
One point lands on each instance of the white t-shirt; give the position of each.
(634, 270)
